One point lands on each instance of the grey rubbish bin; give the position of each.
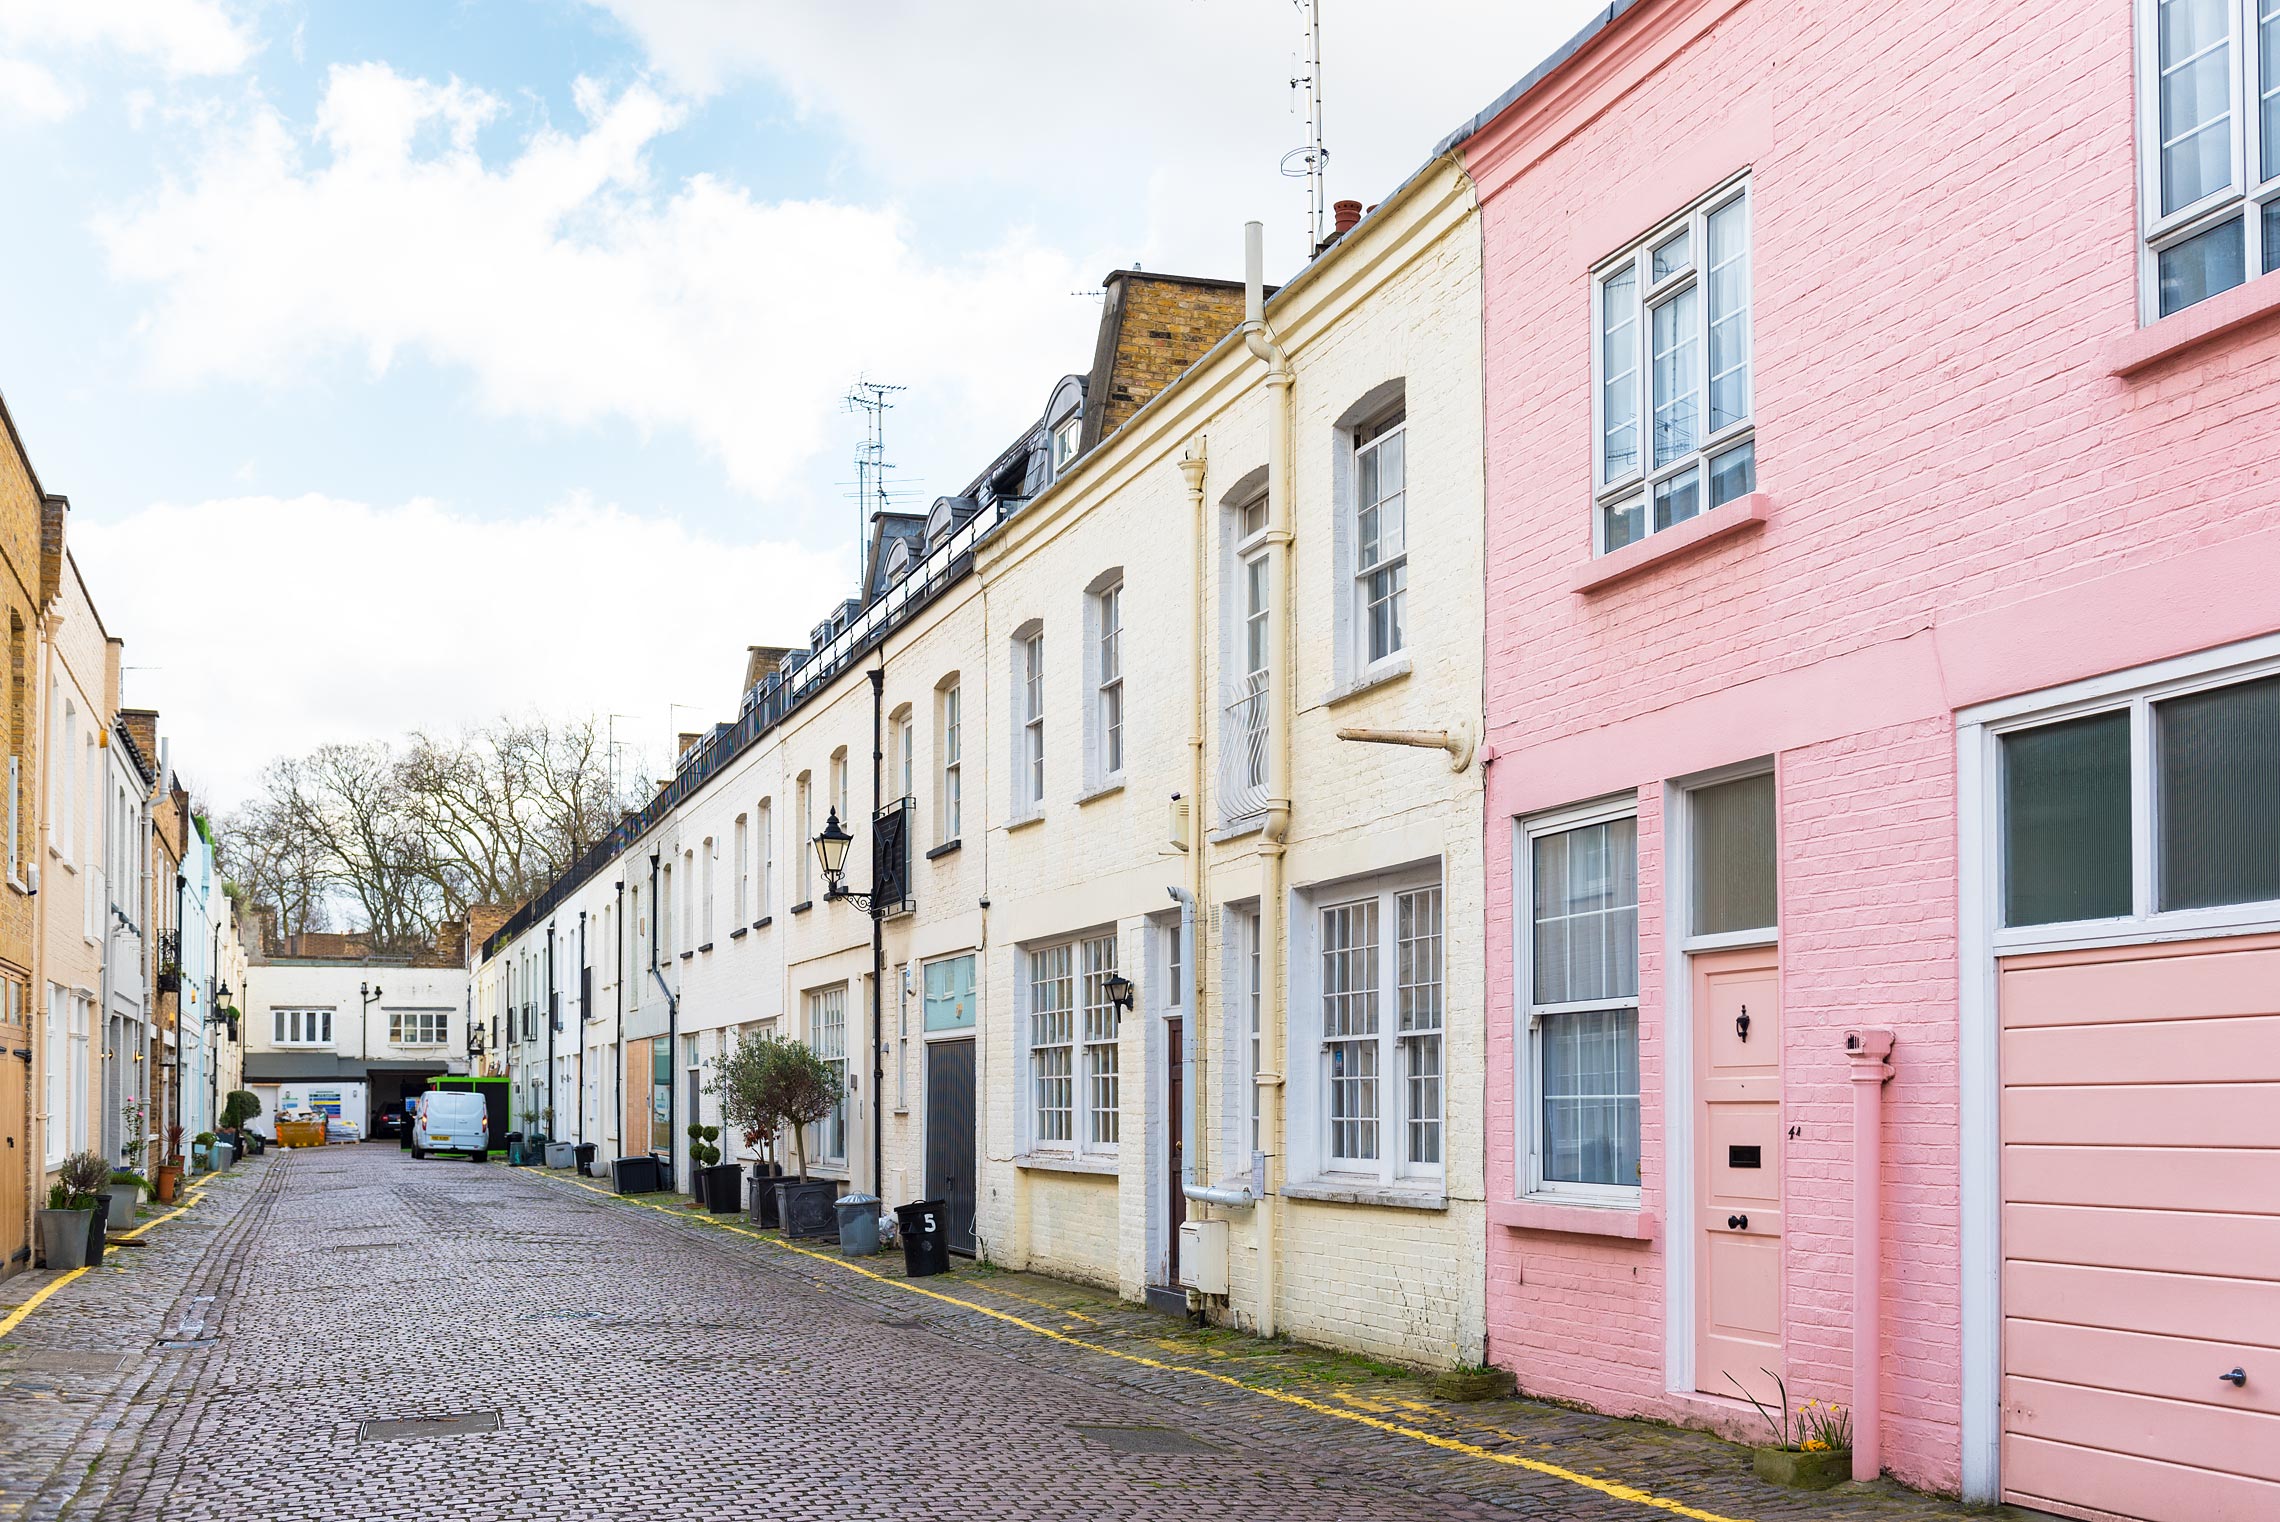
(858, 1225)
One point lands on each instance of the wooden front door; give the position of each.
(950, 1136)
(15, 1134)
(1175, 1146)
(1737, 1142)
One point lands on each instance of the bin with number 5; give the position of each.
(925, 1227)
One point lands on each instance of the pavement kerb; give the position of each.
(15, 1318)
(1615, 1490)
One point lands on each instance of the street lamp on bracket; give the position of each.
(831, 854)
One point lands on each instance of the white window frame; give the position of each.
(1368, 440)
(1099, 1032)
(707, 854)
(764, 858)
(1310, 1128)
(1104, 680)
(839, 789)
(2136, 691)
(827, 1038)
(1029, 722)
(903, 737)
(1067, 435)
(1644, 477)
(1249, 657)
(419, 1027)
(1052, 963)
(803, 853)
(950, 807)
(1527, 1014)
(743, 869)
(2247, 193)
(302, 1026)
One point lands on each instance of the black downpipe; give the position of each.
(672, 1030)
(878, 675)
(553, 1004)
(181, 882)
(618, 888)
(585, 995)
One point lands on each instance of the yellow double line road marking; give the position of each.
(15, 1318)
(1613, 1489)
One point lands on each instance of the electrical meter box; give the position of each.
(1203, 1256)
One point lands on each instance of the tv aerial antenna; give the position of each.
(869, 397)
(1312, 162)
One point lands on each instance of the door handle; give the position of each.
(1742, 1023)
(2237, 1378)
(1737, 1223)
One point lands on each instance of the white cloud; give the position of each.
(179, 37)
(31, 93)
(267, 625)
(569, 285)
(1187, 107)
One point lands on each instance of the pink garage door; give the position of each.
(2141, 1231)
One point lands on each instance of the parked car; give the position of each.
(390, 1122)
(445, 1120)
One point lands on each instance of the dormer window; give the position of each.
(898, 559)
(1065, 442)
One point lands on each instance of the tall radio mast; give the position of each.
(870, 398)
(1313, 160)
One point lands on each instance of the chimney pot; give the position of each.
(1344, 215)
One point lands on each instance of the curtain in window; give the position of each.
(1587, 913)
(1591, 1097)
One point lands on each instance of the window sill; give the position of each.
(688, 954)
(739, 933)
(1359, 1192)
(943, 849)
(1628, 1222)
(707, 946)
(1108, 789)
(764, 921)
(1061, 1162)
(1238, 829)
(1025, 822)
(803, 906)
(1392, 669)
(1744, 515)
(2202, 322)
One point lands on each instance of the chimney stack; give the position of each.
(1344, 214)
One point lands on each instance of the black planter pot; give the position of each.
(95, 1229)
(805, 1209)
(762, 1207)
(719, 1185)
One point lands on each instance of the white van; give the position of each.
(451, 1120)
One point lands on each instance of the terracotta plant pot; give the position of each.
(168, 1182)
(1802, 1471)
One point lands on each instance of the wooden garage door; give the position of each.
(2141, 1231)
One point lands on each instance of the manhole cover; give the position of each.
(179, 1344)
(405, 1428)
(1145, 1440)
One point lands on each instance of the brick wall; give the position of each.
(1940, 437)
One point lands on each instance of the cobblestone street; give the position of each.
(617, 1362)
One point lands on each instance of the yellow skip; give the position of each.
(1609, 1488)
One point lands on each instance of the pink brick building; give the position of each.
(1883, 433)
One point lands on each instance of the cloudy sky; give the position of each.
(408, 363)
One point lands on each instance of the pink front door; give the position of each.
(2141, 1231)
(1737, 1142)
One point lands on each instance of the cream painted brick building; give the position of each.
(1093, 603)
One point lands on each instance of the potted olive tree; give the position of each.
(741, 1083)
(65, 1227)
(86, 1177)
(802, 1090)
